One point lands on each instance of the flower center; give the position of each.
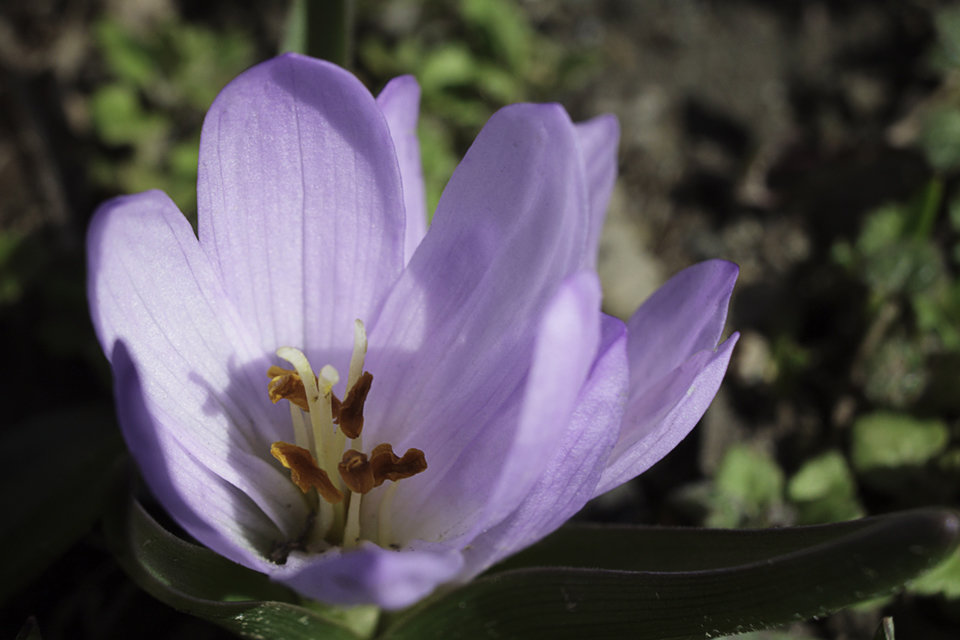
(322, 424)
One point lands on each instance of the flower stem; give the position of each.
(322, 29)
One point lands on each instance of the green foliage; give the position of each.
(195, 580)
(640, 582)
(894, 253)
(149, 114)
(824, 490)
(885, 440)
(940, 138)
(747, 491)
(321, 29)
(944, 579)
(908, 264)
(494, 56)
(896, 372)
(946, 52)
(914, 297)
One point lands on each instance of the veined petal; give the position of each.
(659, 418)
(400, 103)
(455, 335)
(684, 316)
(476, 483)
(215, 512)
(370, 574)
(454, 342)
(598, 139)
(300, 203)
(186, 393)
(675, 366)
(572, 474)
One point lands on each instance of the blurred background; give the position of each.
(816, 144)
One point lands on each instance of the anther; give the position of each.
(349, 413)
(286, 385)
(362, 474)
(304, 471)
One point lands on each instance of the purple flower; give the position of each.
(323, 390)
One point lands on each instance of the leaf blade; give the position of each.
(195, 580)
(829, 567)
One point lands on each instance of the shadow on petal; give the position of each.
(214, 512)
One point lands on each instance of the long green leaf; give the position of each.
(648, 548)
(767, 578)
(199, 582)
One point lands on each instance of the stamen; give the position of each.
(323, 429)
(318, 392)
(286, 385)
(359, 353)
(362, 474)
(329, 376)
(351, 532)
(356, 472)
(304, 471)
(335, 518)
(300, 434)
(384, 529)
(387, 466)
(304, 372)
(349, 413)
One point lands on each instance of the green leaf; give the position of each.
(940, 139)
(824, 490)
(884, 440)
(451, 65)
(197, 581)
(119, 119)
(126, 55)
(206, 60)
(944, 579)
(749, 483)
(946, 54)
(695, 583)
(58, 471)
(504, 26)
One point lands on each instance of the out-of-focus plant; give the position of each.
(912, 297)
(470, 57)
(906, 256)
(149, 112)
(824, 490)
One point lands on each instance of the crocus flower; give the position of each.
(321, 389)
